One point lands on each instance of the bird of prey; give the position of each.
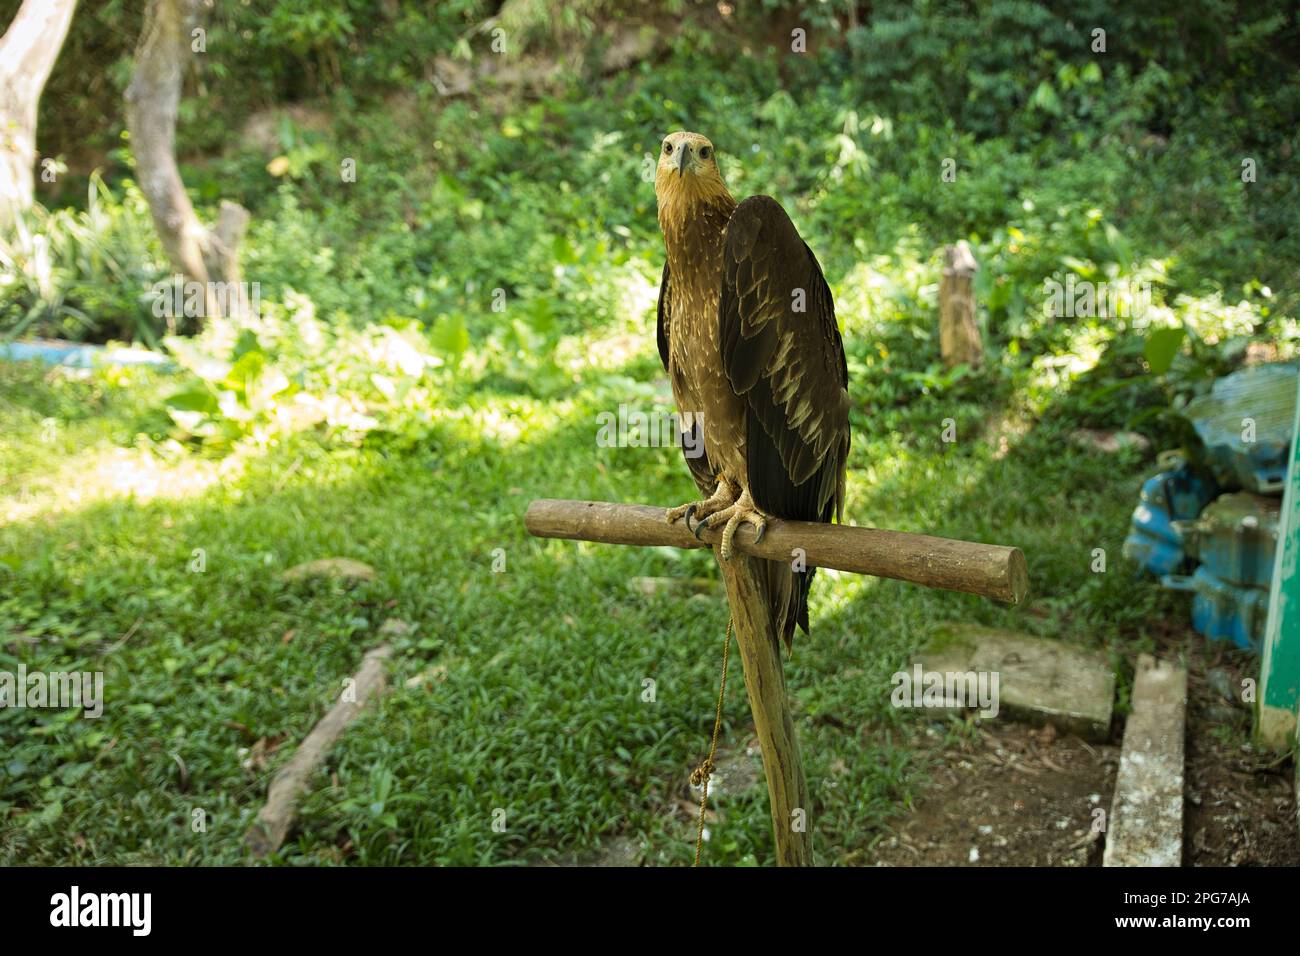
(748, 337)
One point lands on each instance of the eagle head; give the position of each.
(687, 170)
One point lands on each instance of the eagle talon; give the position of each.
(730, 519)
(722, 499)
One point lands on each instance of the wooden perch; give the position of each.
(760, 653)
(292, 780)
(989, 570)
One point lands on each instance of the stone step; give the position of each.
(1038, 679)
(1146, 817)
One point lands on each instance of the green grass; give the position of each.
(526, 685)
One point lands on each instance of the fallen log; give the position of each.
(292, 780)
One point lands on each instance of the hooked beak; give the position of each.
(682, 155)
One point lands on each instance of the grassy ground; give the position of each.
(520, 690)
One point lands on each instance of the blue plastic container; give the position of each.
(1244, 427)
(1155, 540)
(80, 355)
(1224, 611)
(1235, 538)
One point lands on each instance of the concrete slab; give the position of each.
(1039, 680)
(1146, 817)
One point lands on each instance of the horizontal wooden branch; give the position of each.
(989, 570)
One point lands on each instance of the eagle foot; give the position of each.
(731, 518)
(723, 497)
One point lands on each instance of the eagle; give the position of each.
(747, 334)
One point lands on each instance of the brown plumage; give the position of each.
(748, 337)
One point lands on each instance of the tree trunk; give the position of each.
(27, 54)
(209, 257)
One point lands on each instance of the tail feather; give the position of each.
(787, 599)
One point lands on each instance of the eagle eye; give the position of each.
(705, 152)
(668, 148)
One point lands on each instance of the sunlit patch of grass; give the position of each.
(108, 471)
(1086, 342)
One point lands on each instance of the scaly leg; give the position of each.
(723, 497)
(743, 511)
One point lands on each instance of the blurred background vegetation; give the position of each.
(481, 171)
(378, 397)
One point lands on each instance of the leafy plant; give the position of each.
(83, 275)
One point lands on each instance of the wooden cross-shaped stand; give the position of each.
(988, 570)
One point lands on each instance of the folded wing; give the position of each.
(782, 351)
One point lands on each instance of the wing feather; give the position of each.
(789, 364)
(665, 316)
(701, 469)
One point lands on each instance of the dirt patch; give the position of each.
(1019, 796)
(1012, 796)
(1240, 806)
(1016, 795)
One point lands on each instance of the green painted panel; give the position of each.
(1280, 673)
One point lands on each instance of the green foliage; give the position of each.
(82, 274)
(1161, 347)
(273, 375)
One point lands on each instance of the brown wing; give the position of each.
(701, 470)
(782, 351)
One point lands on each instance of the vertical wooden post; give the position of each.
(760, 653)
(959, 334)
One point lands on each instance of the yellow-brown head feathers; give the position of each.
(688, 170)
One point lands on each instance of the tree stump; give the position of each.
(959, 334)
